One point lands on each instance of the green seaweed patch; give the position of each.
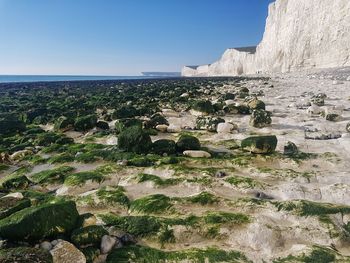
(61, 158)
(225, 217)
(140, 226)
(152, 204)
(244, 182)
(204, 198)
(77, 179)
(112, 196)
(290, 173)
(308, 208)
(56, 175)
(3, 167)
(157, 180)
(318, 254)
(149, 255)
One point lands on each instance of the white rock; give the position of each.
(107, 244)
(162, 128)
(46, 245)
(314, 110)
(15, 195)
(348, 79)
(229, 102)
(20, 154)
(185, 95)
(174, 128)
(226, 127)
(65, 252)
(170, 113)
(197, 154)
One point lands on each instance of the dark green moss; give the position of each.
(56, 175)
(112, 196)
(81, 178)
(25, 255)
(203, 198)
(134, 139)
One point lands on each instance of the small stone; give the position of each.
(107, 244)
(261, 195)
(314, 110)
(197, 154)
(174, 128)
(113, 231)
(122, 162)
(260, 119)
(348, 127)
(54, 242)
(15, 195)
(220, 174)
(290, 149)
(46, 245)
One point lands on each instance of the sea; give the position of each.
(50, 78)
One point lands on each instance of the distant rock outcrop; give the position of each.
(299, 34)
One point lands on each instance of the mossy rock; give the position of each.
(152, 204)
(256, 104)
(156, 119)
(90, 235)
(19, 182)
(187, 142)
(63, 123)
(90, 253)
(134, 139)
(10, 205)
(25, 255)
(85, 123)
(35, 223)
(164, 146)
(123, 124)
(102, 125)
(81, 178)
(260, 144)
(125, 112)
(208, 123)
(204, 106)
(260, 119)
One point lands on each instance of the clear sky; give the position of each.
(123, 37)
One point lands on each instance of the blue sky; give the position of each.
(122, 37)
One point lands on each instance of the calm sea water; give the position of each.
(37, 78)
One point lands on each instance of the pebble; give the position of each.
(46, 245)
(107, 244)
(197, 154)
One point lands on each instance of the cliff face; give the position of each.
(299, 34)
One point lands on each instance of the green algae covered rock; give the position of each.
(35, 223)
(10, 205)
(90, 235)
(134, 139)
(15, 182)
(260, 118)
(164, 147)
(25, 255)
(260, 144)
(63, 123)
(203, 106)
(10, 124)
(255, 104)
(208, 123)
(85, 123)
(188, 142)
(90, 253)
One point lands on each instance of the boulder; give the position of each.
(10, 124)
(197, 154)
(63, 124)
(65, 252)
(260, 144)
(226, 127)
(260, 119)
(20, 155)
(348, 127)
(187, 142)
(174, 128)
(107, 244)
(35, 223)
(155, 120)
(134, 139)
(164, 146)
(205, 107)
(25, 255)
(208, 123)
(10, 205)
(85, 123)
(90, 235)
(102, 125)
(256, 104)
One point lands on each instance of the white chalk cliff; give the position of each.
(299, 34)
